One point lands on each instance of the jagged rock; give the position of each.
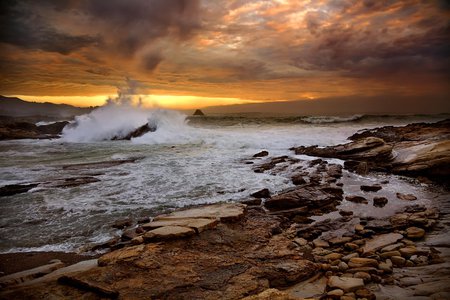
(261, 154)
(140, 131)
(398, 261)
(24, 130)
(380, 201)
(264, 193)
(334, 170)
(365, 293)
(252, 202)
(346, 284)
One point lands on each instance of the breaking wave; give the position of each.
(331, 119)
(116, 121)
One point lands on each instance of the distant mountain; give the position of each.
(15, 107)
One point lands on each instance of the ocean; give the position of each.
(187, 161)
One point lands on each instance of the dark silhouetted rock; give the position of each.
(264, 193)
(370, 188)
(380, 201)
(12, 189)
(261, 154)
(356, 199)
(198, 112)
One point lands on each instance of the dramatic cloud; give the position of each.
(262, 50)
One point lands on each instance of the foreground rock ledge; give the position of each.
(239, 257)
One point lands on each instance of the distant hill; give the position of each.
(18, 108)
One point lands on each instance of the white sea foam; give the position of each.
(331, 119)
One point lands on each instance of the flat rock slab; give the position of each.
(198, 225)
(168, 232)
(381, 241)
(28, 275)
(345, 283)
(223, 211)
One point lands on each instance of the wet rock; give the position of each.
(99, 165)
(225, 212)
(398, 261)
(415, 233)
(345, 213)
(13, 189)
(129, 234)
(198, 224)
(389, 254)
(406, 197)
(359, 262)
(334, 170)
(365, 293)
(346, 284)
(264, 193)
(339, 240)
(370, 188)
(261, 154)
(305, 196)
(300, 241)
(27, 275)
(381, 241)
(386, 266)
(392, 247)
(252, 202)
(298, 179)
(140, 131)
(350, 256)
(321, 243)
(120, 224)
(72, 182)
(364, 276)
(380, 201)
(335, 293)
(333, 256)
(356, 199)
(271, 294)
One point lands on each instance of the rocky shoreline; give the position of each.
(340, 233)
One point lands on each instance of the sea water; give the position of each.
(186, 161)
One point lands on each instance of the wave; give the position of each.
(117, 121)
(331, 119)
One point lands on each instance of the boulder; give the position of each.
(13, 189)
(380, 201)
(415, 233)
(344, 283)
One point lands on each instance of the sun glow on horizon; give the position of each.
(150, 101)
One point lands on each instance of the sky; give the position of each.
(192, 53)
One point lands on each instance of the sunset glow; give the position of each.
(203, 53)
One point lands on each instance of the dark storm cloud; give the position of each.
(364, 51)
(118, 26)
(21, 27)
(132, 24)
